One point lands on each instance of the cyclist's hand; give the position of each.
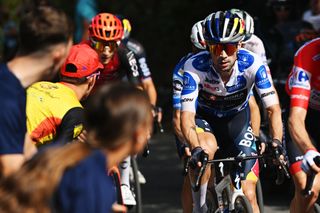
(83, 136)
(262, 147)
(187, 151)
(117, 208)
(260, 144)
(196, 157)
(308, 162)
(279, 151)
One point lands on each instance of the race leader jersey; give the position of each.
(303, 83)
(53, 113)
(255, 45)
(204, 89)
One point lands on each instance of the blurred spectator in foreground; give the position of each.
(85, 11)
(45, 39)
(73, 178)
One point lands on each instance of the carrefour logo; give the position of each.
(261, 79)
(302, 76)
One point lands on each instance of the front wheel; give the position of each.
(242, 205)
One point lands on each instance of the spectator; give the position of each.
(85, 11)
(73, 178)
(313, 14)
(54, 113)
(45, 41)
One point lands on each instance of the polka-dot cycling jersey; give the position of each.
(203, 87)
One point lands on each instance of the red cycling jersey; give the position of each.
(303, 83)
(123, 65)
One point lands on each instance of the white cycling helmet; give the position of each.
(224, 27)
(248, 20)
(196, 35)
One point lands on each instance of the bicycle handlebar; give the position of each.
(310, 178)
(205, 161)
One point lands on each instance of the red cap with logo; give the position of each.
(81, 62)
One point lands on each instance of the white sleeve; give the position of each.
(190, 91)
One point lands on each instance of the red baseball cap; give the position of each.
(81, 62)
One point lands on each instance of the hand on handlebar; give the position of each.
(308, 162)
(196, 158)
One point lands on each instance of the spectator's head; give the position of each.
(105, 32)
(43, 27)
(45, 32)
(223, 34)
(282, 9)
(119, 115)
(196, 36)
(81, 67)
(315, 7)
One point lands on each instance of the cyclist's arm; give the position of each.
(274, 114)
(255, 115)
(150, 89)
(130, 65)
(71, 126)
(270, 100)
(188, 102)
(298, 130)
(298, 86)
(177, 124)
(188, 127)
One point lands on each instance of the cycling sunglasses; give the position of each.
(101, 45)
(229, 48)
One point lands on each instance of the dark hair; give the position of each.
(41, 27)
(114, 113)
(127, 108)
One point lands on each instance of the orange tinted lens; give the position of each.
(98, 45)
(216, 49)
(230, 48)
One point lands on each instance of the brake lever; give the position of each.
(201, 172)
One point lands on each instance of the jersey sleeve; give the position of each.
(298, 87)
(129, 64)
(71, 126)
(140, 56)
(264, 86)
(177, 84)
(190, 90)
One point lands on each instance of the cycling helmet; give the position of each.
(248, 21)
(223, 27)
(126, 26)
(106, 27)
(197, 35)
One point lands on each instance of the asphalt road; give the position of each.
(162, 169)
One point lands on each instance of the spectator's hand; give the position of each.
(308, 161)
(82, 137)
